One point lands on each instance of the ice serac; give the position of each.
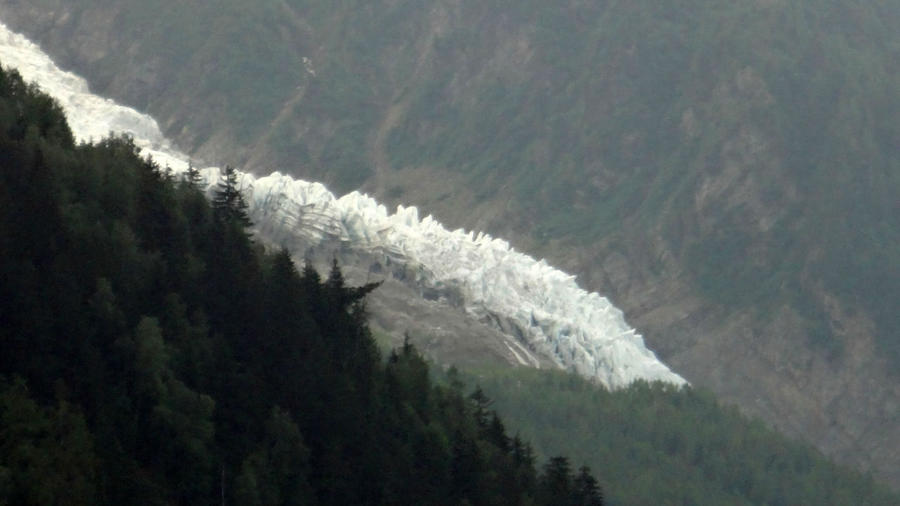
(542, 307)
(541, 310)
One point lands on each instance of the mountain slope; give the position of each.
(154, 355)
(679, 445)
(514, 308)
(727, 172)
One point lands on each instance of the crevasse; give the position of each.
(576, 329)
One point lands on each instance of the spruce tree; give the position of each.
(193, 178)
(556, 482)
(228, 201)
(480, 405)
(587, 492)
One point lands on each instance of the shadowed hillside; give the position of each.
(726, 172)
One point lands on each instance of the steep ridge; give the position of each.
(540, 310)
(725, 172)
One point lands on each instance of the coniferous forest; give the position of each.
(153, 354)
(726, 173)
(656, 444)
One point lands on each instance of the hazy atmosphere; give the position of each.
(450, 252)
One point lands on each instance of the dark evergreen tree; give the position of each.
(555, 485)
(467, 468)
(586, 491)
(192, 178)
(523, 463)
(480, 405)
(276, 473)
(46, 454)
(157, 355)
(228, 200)
(496, 434)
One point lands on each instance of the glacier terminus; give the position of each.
(544, 316)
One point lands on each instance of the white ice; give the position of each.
(578, 330)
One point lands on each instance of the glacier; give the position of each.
(544, 315)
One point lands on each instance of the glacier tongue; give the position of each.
(541, 309)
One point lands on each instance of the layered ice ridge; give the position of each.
(542, 308)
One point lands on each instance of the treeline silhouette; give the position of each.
(153, 354)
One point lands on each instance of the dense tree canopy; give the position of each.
(653, 444)
(153, 354)
(744, 152)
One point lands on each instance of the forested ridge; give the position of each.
(725, 172)
(655, 444)
(153, 354)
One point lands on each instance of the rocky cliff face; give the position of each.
(734, 192)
